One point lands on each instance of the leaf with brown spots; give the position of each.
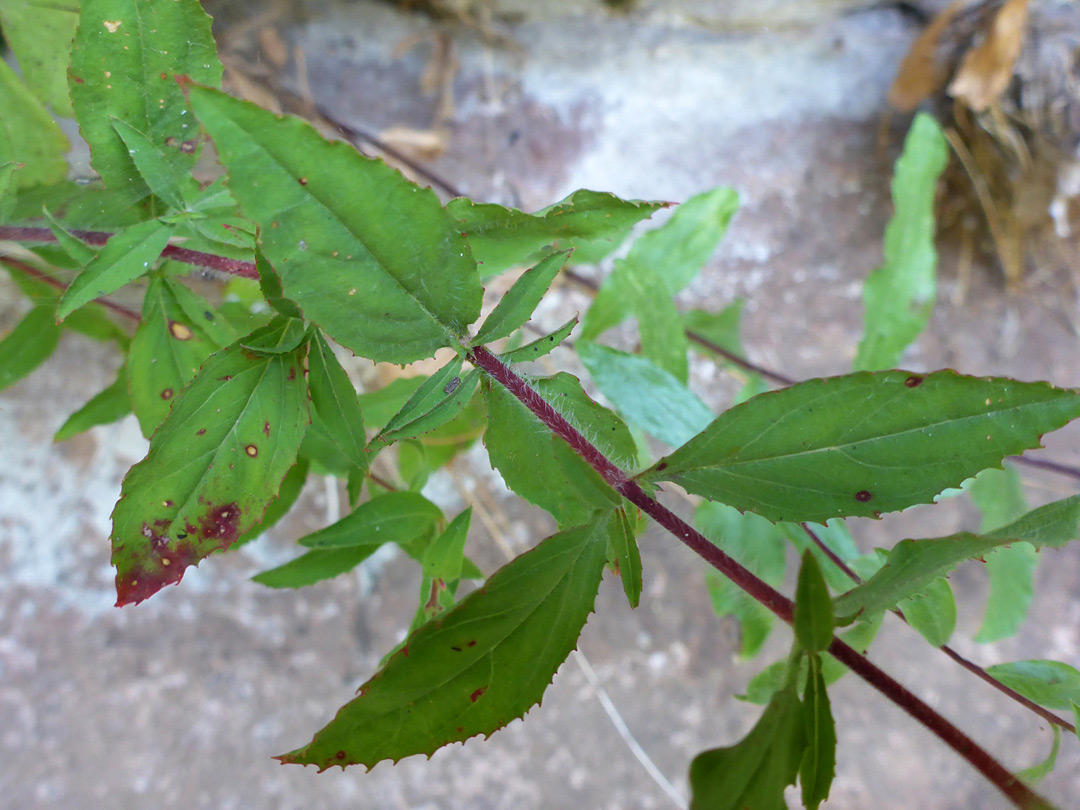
(863, 444)
(211, 470)
(167, 350)
(123, 63)
(480, 665)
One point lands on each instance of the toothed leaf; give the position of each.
(124, 63)
(213, 467)
(476, 667)
(913, 564)
(863, 444)
(372, 259)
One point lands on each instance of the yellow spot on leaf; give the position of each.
(112, 26)
(179, 331)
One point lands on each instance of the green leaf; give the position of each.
(640, 289)
(7, 183)
(593, 223)
(443, 559)
(383, 269)
(396, 517)
(124, 63)
(270, 284)
(167, 350)
(836, 537)
(291, 486)
(899, 295)
(105, 407)
(752, 774)
(39, 32)
(324, 452)
(650, 398)
(281, 336)
(932, 612)
(28, 135)
(914, 564)
(1052, 684)
(722, 328)
(201, 312)
(1036, 773)
(28, 345)
(999, 496)
(441, 565)
(625, 556)
(661, 263)
(818, 766)
(673, 253)
(541, 346)
(863, 444)
(479, 665)
(521, 300)
(314, 566)
(754, 543)
(380, 405)
(523, 449)
(213, 467)
(161, 168)
(813, 607)
(439, 399)
(79, 251)
(1011, 571)
(680, 247)
(336, 403)
(127, 256)
(766, 683)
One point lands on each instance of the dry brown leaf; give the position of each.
(986, 71)
(922, 72)
(426, 144)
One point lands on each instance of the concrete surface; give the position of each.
(180, 702)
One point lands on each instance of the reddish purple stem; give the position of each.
(980, 759)
(235, 267)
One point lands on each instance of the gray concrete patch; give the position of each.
(181, 702)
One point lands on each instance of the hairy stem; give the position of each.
(970, 666)
(1017, 792)
(234, 267)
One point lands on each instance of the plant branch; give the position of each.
(233, 267)
(45, 278)
(780, 605)
(238, 267)
(970, 666)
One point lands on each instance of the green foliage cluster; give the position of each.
(242, 403)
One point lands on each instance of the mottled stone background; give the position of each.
(180, 702)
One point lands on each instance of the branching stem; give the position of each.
(211, 261)
(1017, 792)
(970, 666)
